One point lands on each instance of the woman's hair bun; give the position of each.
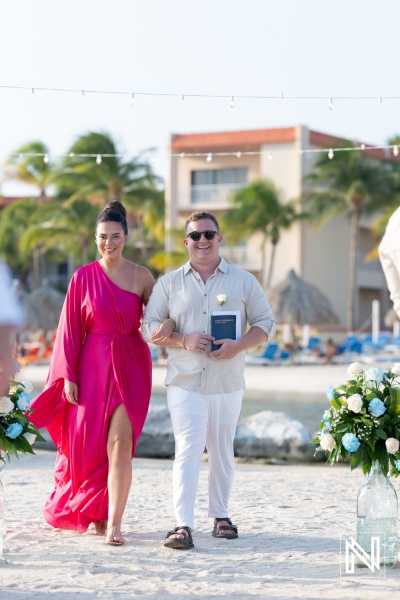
(115, 206)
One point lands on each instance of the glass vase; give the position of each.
(377, 515)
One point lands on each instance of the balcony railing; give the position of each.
(373, 265)
(218, 194)
(238, 256)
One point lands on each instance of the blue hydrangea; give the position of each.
(23, 401)
(376, 407)
(374, 374)
(397, 464)
(351, 442)
(13, 430)
(330, 392)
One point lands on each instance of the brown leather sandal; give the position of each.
(228, 536)
(175, 543)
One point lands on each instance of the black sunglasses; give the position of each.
(196, 235)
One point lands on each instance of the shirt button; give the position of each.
(204, 368)
(205, 294)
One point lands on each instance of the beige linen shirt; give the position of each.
(182, 296)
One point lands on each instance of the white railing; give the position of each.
(218, 194)
(237, 256)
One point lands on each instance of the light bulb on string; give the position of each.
(330, 104)
(362, 146)
(98, 159)
(239, 154)
(209, 157)
(153, 160)
(32, 94)
(269, 155)
(280, 95)
(232, 102)
(182, 155)
(132, 99)
(396, 150)
(330, 154)
(182, 96)
(46, 159)
(71, 154)
(82, 93)
(379, 99)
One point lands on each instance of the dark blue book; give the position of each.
(223, 327)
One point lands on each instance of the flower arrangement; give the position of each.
(364, 420)
(17, 434)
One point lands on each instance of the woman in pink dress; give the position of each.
(97, 393)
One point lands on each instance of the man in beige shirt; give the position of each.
(389, 254)
(205, 388)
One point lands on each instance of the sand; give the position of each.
(290, 521)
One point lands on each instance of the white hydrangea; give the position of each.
(355, 368)
(327, 442)
(6, 405)
(395, 369)
(355, 403)
(392, 445)
(28, 387)
(30, 437)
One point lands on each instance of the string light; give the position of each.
(98, 159)
(362, 146)
(330, 153)
(71, 154)
(330, 104)
(239, 154)
(182, 155)
(396, 150)
(209, 157)
(269, 156)
(181, 95)
(132, 99)
(46, 159)
(32, 95)
(232, 102)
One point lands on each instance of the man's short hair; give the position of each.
(199, 215)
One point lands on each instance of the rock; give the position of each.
(157, 439)
(270, 434)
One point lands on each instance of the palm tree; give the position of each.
(131, 182)
(15, 219)
(68, 228)
(257, 208)
(352, 184)
(27, 164)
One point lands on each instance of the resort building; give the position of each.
(319, 255)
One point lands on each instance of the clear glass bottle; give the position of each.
(377, 515)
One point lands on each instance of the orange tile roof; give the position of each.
(328, 141)
(236, 139)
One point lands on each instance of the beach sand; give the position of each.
(291, 519)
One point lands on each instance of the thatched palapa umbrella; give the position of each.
(42, 307)
(296, 302)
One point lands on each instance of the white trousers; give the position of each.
(202, 421)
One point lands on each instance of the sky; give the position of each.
(231, 47)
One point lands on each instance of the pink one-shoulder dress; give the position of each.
(100, 348)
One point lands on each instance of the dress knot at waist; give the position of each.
(135, 333)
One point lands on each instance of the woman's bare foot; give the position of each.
(114, 536)
(100, 527)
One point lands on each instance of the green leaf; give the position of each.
(381, 434)
(394, 408)
(343, 427)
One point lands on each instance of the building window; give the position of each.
(216, 186)
(219, 176)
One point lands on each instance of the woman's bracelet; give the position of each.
(172, 323)
(183, 341)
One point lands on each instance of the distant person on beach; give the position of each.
(98, 389)
(204, 387)
(331, 350)
(11, 318)
(389, 254)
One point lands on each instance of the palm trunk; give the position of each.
(271, 264)
(262, 267)
(36, 267)
(85, 251)
(352, 265)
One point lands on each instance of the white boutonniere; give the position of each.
(221, 299)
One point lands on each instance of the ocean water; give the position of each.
(306, 408)
(386, 530)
